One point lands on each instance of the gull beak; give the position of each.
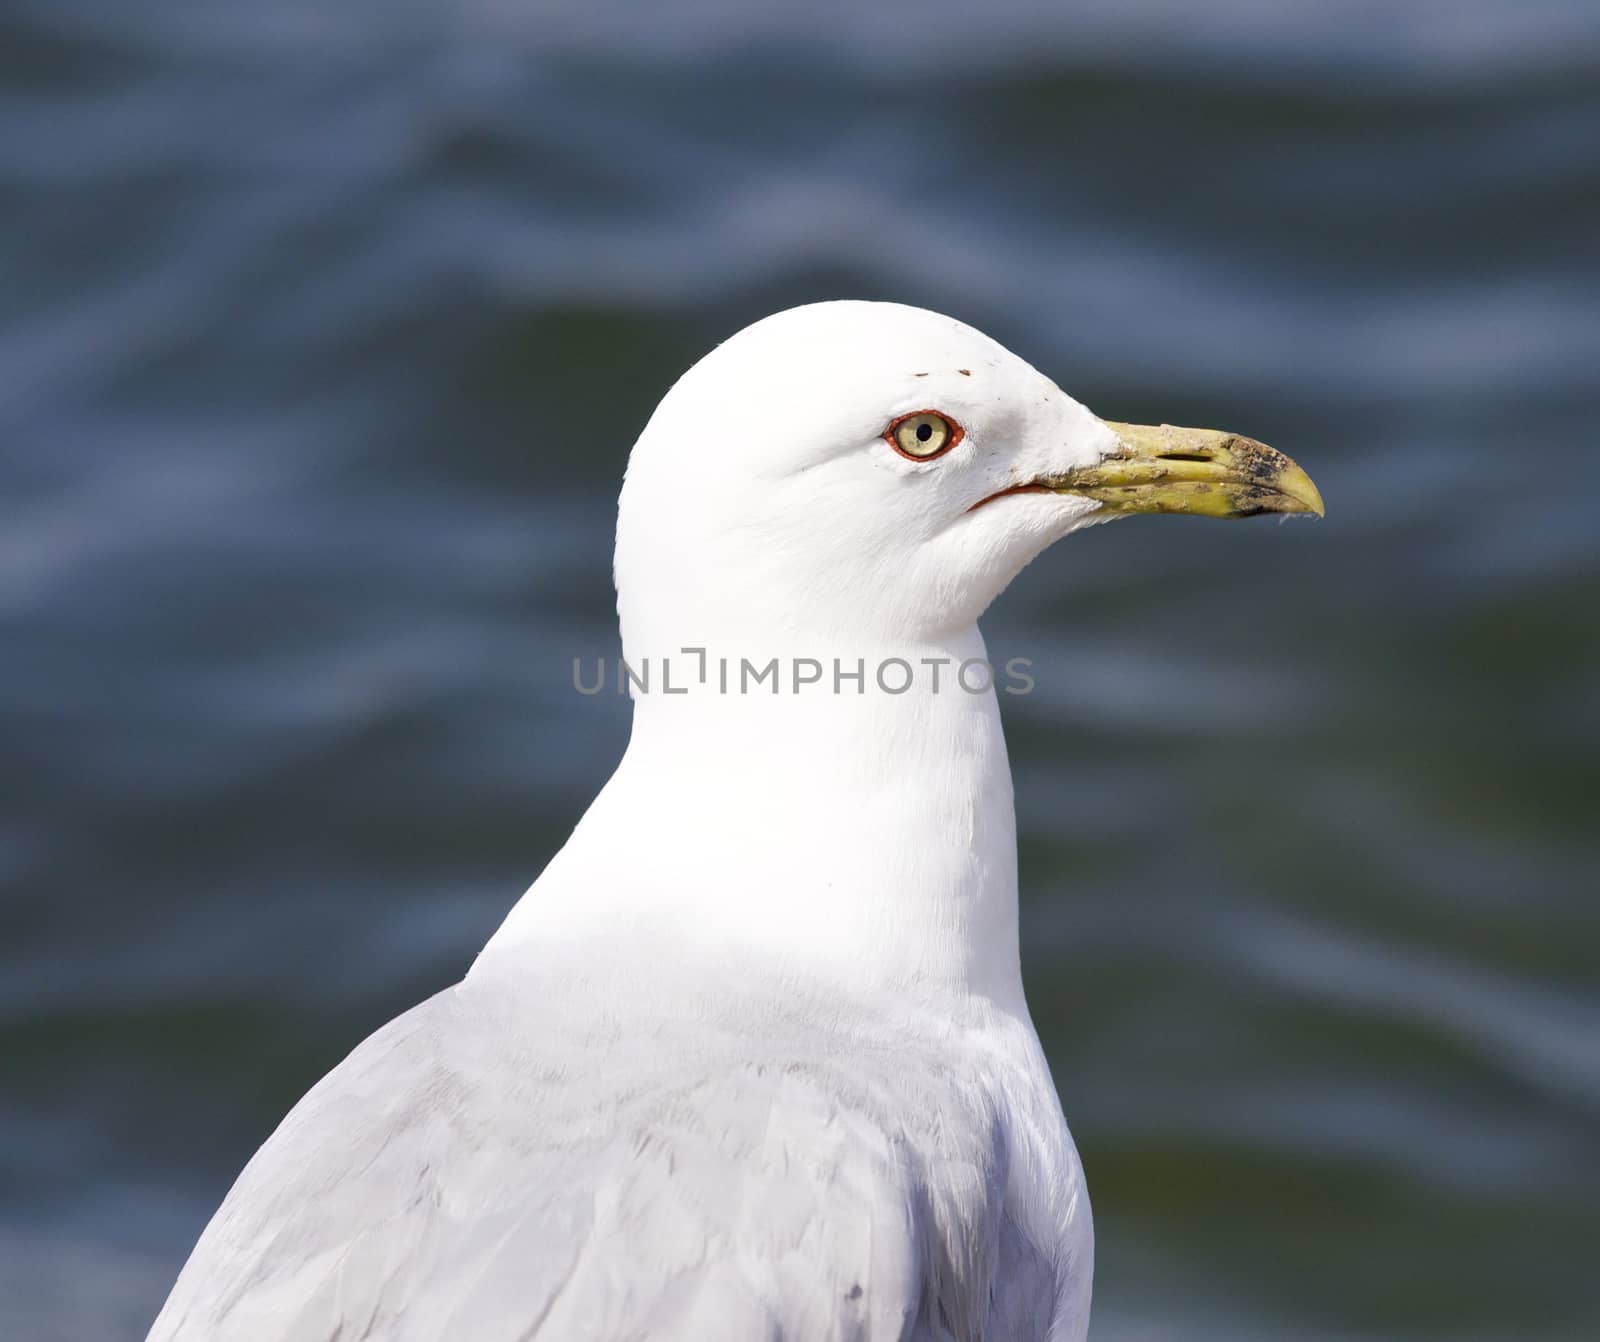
(1160, 468)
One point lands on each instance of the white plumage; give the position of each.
(751, 1058)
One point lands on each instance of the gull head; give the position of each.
(869, 472)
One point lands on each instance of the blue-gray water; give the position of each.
(325, 328)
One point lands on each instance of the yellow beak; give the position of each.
(1204, 472)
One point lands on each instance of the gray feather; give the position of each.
(529, 1161)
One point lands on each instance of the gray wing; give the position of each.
(480, 1168)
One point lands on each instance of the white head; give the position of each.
(769, 493)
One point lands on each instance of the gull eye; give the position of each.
(922, 435)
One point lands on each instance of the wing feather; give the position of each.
(482, 1168)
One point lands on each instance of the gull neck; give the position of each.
(865, 833)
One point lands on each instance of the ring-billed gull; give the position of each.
(751, 1058)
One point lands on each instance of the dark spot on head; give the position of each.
(919, 375)
(965, 372)
(855, 1292)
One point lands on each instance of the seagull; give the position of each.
(751, 1057)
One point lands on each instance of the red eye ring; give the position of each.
(936, 422)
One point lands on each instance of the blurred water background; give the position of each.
(326, 326)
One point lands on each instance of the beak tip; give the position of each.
(1297, 486)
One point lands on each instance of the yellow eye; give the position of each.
(923, 435)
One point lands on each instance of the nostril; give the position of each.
(1184, 456)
